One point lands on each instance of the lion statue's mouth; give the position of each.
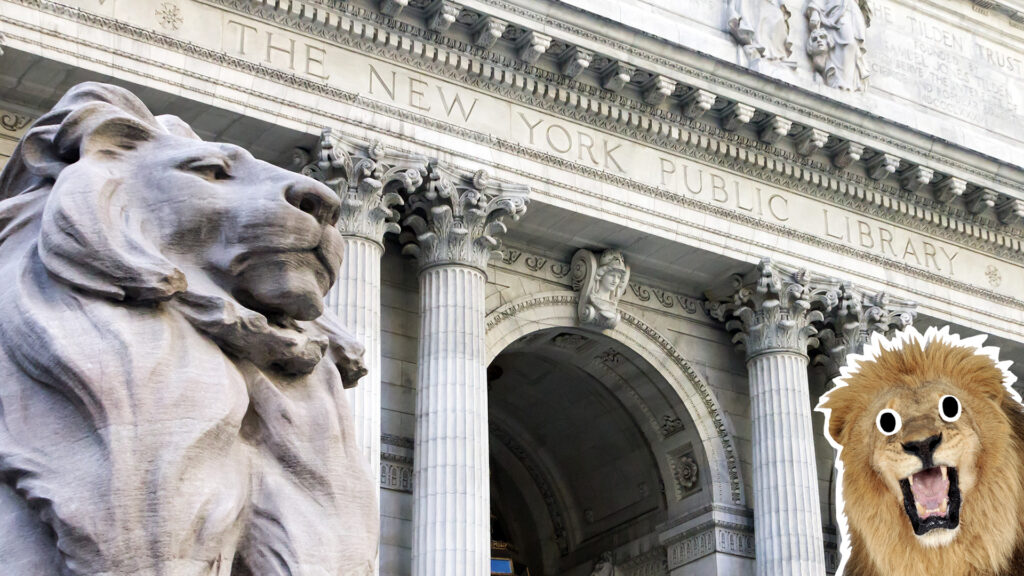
(931, 499)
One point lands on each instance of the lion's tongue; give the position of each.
(930, 490)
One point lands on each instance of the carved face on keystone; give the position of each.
(142, 209)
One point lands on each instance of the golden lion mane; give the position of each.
(910, 375)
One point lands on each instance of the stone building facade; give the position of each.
(605, 254)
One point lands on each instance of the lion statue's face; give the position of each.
(931, 468)
(264, 235)
(139, 208)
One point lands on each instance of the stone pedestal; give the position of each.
(772, 311)
(453, 227)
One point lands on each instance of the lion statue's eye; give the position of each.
(888, 422)
(949, 408)
(208, 170)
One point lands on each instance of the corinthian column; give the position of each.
(454, 222)
(772, 310)
(368, 179)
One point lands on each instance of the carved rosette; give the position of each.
(600, 281)
(370, 181)
(457, 218)
(858, 314)
(774, 308)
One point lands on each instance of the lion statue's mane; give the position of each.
(979, 446)
(162, 412)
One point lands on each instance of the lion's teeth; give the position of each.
(944, 506)
(911, 478)
(921, 511)
(943, 468)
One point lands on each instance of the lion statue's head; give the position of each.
(931, 441)
(136, 208)
(171, 390)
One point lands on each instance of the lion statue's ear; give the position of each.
(838, 407)
(90, 237)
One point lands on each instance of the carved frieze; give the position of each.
(708, 539)
(600, 281)
(835, 41)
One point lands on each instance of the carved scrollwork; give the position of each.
(600, 282)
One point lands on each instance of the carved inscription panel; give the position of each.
(967, 76)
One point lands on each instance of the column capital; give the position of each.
(773, 308)
(858, 314)
(369, 179)
(457, 217)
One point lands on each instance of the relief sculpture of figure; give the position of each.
(600, 283)
(761, 27)
(836, 33)
(171, 394)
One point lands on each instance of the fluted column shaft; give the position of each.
(355, 299)
(787, 516)
(773, 311)
(451, 509)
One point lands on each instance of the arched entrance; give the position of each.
(596, 439)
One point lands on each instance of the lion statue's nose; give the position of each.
(314, 199)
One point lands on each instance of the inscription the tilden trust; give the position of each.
(587, 147)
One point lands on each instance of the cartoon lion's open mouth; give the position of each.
(931, 499)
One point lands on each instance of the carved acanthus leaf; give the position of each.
(773, 307)
(458, 218)
(859, 313)
(369, 180)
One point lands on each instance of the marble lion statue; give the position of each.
(931, 458)
(171, 393)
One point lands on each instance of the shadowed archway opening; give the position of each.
(591, 450)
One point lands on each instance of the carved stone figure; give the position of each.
(600, 283)
(835, 43)
(171, 396)
(761, 27)
(603, 566)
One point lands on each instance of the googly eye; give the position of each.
(888, 422)
(949, 408)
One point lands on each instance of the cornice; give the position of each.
(630, 117)
(621, 115)
(459, 131)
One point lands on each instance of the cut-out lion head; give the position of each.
(929, 434)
